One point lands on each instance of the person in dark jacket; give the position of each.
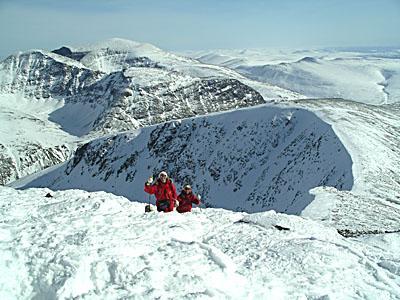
(186, 198)
(164, 190)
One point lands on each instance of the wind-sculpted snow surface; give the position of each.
(77, 244)
(251, 159)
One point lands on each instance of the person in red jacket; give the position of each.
(164, 190)
(186, 198)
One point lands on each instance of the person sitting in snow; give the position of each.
(186, 198)
(164, 190)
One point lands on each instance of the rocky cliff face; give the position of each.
(27, 159)
(40, 74)
(129, 99)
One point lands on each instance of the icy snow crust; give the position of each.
(97, 245)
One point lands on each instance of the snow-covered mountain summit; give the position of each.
(116, 54)
(123, 45)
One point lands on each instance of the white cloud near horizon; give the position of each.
(192, 24)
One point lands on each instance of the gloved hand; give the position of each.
(199, 197)
(176, 203)
(150, 180)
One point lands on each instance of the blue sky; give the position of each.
(195, 24)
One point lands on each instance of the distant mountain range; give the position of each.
(110, 87)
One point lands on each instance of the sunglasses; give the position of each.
(163, 175)
(188, 189)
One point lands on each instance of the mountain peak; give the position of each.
(119, 44)
(116, 54)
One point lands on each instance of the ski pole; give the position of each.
(199, 197)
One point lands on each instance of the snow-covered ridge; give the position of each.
(119, 55)
(128, 100)
(77, 244)
(261, 158)
(253, 159)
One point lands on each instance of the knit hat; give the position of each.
(162, 173)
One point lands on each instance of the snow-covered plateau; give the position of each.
(295, 154)
(365, 75)
(81, 245)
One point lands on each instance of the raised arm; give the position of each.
(149, 187)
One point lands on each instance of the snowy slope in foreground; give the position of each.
(96, 245)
